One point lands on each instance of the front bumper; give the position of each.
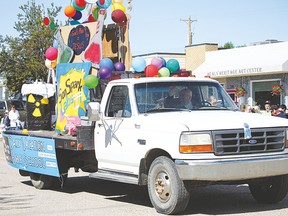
(232, 169)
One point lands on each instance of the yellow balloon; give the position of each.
(118, 6)
(117, 1)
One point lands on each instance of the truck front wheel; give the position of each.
(273, 190)
(41, 181)
(167, 191)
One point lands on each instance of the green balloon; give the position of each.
(52, 25)
(95, 13)
(164, 72)
(173, 65)
(91, 81)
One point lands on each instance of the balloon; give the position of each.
(106, 4)
(138, 64)
(118, 6)
(77, 16)
(74, 22)
(55, 43)
(172, 65)
(91, 18)
(164, 72)
(157, 61)
(105, 72)
(95, 12)
(80, 3)
(118, 16)
(50, 64)
(102, 1)
(163, 62)
(51, 53)
(119, 66)
(52, 25)
(91, 81)
(46, 21)
(151, 70)
(107, 62)
(70, 11)
(117, 1)
(79, 7)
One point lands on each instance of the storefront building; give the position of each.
(257, 73)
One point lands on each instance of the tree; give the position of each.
(228, 45)
(23, 57)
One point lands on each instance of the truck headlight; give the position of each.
(195, 142)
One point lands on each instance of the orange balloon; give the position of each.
(70, 11)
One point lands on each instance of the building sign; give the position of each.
(32, 154)
(72, 94)
(234, 72)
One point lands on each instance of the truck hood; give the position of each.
(213, 120)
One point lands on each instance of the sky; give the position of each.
(158, 26)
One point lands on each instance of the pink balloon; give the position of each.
(51, 53)
(157, 61)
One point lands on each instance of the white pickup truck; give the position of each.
(135, 136)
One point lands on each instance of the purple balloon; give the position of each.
(119, 66)
(77, 16)
(157, 61)
(105, 72)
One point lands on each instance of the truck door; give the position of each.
(115, 146)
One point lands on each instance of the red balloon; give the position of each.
(102, 2)
(80, 3)
(46, 21)
(118, 16)
(151, 70)
(91, 18)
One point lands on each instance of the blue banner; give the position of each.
(32, 154)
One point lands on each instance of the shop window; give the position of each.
(261, 92)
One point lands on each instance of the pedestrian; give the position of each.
(14, 117)
(245, 108)
(6, 120)
(277, 111)
(284, 108)
(267, 108)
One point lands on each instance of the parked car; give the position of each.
(5, 104)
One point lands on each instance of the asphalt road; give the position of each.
(84, 196)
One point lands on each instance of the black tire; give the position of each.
(167, 191)
(271, 191)
(41, 181)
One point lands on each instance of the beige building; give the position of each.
(255, 68)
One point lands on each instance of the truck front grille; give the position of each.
(229, 142)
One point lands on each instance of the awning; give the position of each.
(251, 60)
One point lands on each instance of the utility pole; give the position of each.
(190, 33)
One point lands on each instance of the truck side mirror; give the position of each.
(93, 111)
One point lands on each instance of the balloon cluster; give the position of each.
(48, 22)
(105, 72)
(157, 67)
(51, 57)
(74, 11)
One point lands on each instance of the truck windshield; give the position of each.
(174, 96)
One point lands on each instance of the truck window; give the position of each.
(154, 96)
(118, 103)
